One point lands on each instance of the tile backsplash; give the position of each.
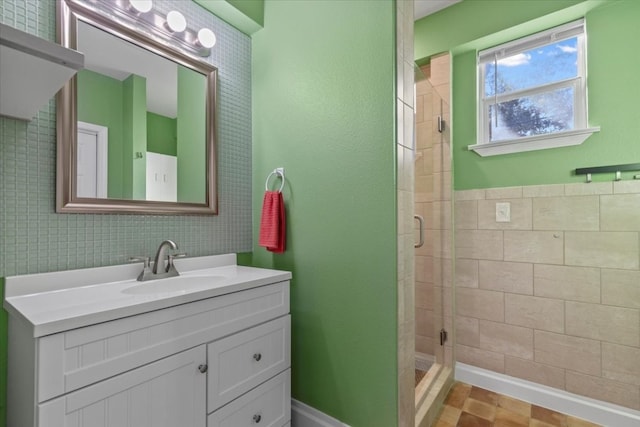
(33, 238)
(553, 296)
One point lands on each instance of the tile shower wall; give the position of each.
(405, 170)
(553, 296)
(33, 238)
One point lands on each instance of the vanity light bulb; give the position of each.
(176, 21)
(141, 6)
(206, 38)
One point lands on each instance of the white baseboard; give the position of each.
(303, 415)
(596, 411)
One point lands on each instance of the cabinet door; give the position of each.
(168, 393)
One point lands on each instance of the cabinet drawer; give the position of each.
(242, 361)
(70, 360)
(167, 393)
(268, 405)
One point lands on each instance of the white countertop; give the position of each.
(59, 301)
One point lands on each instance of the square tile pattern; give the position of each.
(35, 239)
(470, 406)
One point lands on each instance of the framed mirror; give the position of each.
(136, 129)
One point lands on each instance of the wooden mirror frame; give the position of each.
(68, 12)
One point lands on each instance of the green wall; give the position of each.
(134, 137)
(245, 15)
(323, 108)
(612, 92)
(108, 113)
(254, 9)
(191, 131)
(161, 134)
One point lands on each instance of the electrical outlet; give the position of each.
(503, 212)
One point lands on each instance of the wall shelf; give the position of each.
(32, 70)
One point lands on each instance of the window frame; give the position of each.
(581, 130)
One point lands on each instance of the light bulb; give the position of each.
(141, 6)
(176, 21)
(206, 38)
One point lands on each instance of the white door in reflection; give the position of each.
(92, 161)
(162, 177)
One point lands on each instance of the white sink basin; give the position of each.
(58, 301)
(180, 284)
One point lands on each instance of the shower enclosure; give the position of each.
(434, 258)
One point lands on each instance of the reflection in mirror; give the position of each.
(137, 130)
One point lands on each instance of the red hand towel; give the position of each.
(272, 222)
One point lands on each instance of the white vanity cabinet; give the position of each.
(213, 362)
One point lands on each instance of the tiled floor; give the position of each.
(470, 406)
(419, 375)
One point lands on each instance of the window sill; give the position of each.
(531, 143)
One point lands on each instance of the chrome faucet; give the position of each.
(159, 259)
(159, 269)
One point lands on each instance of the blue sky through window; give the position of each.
(542, 65)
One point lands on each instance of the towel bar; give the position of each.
(277, 172)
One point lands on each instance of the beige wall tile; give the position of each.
(515, 277)
(423, 167)
(583, 189)
(609, 249)
(424, 295)
(424, 344)
(506, 339)
(468, 331)
(467, 273)
(621, 288)
(423, 134)
(440, 72)
(504, 193)
(442, 242)
(480, 358)
(442, 186)
(562, 351)
(466, 213)
(479, 244)
(621, 187)
(442, 272)
(424, 269)
(566, 213)
(424, 189)
(480, 304)
(620, 212)
(520, 215)
(604, 389)
(543, 190)
(534, 312)
(441, 157)
(424, 322)
(442, 215)
(569, 283)
(470, 194)
(536, 372)
(419, 107)
(621, 363)
(542, 247)
(602, 322)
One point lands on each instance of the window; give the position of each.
(532, 93)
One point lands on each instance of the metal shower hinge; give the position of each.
(443, 336)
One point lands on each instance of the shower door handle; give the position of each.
(421, 228)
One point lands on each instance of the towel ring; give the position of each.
(277, 172)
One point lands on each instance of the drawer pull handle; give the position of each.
(257, 357)
(257, 418)
(203, 368)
